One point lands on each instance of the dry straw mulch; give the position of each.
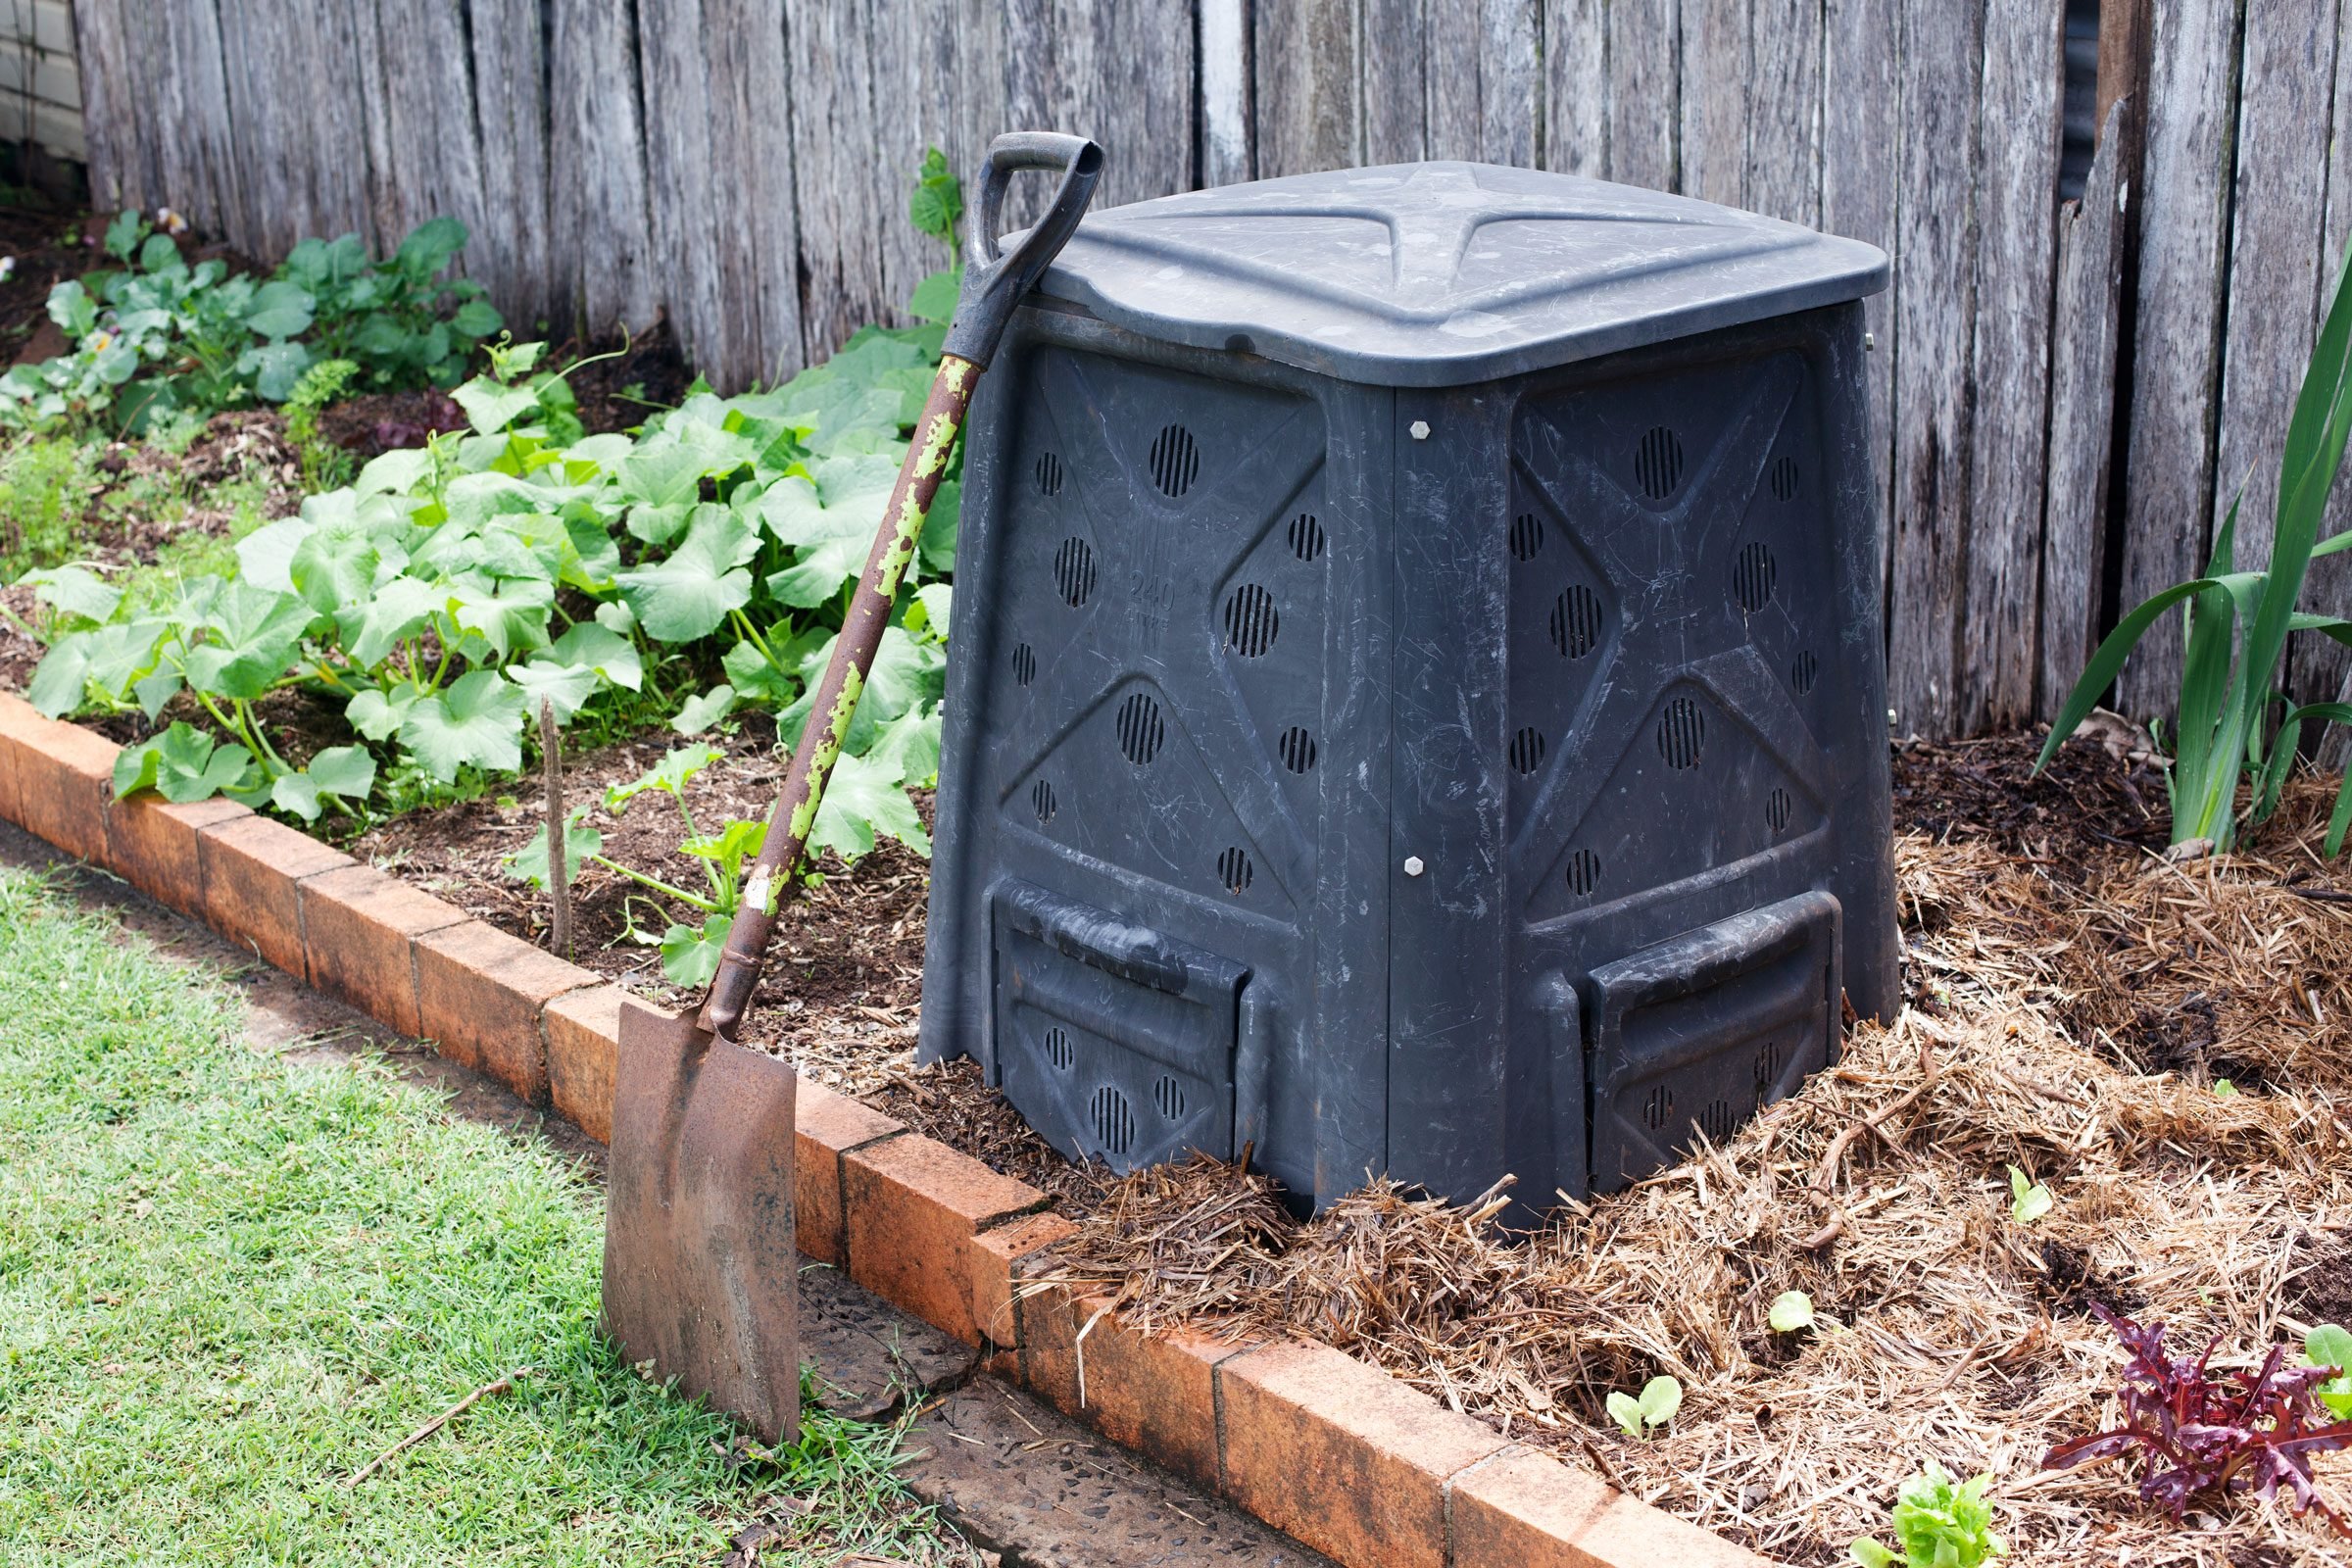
(2073, 1004)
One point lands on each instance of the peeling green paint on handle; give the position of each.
(838, 692)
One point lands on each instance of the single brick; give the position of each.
(62, 780)
(583, 1033)
(1341, 1455)
(826, 1126)
(479, 996)
(20, 724)
(250, 867)
(151, 844)
(1522, 1509)
(357, 925)
(1153, 1393)
(997, 1255)
(910, 1211)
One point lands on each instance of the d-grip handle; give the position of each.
(994, 279)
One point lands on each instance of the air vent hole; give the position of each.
(1024, 664)
(1049, 475)
(1114, 1120)
(1682, 733)
(1141, 728)
(1175, 460)
(1074, 572)
(1526, 536)
(1297, 748)
(1250, 620)
(1784, 485)
(1306, 536)
(1805, 672)
(1768, 1070)
(1576, 621)
(1658, 462)
(1583, 872)
(1234, 871)
(1718, 1121)
(1656, 1107)
(1058, 1049)
(1752, 578)
(1777, 809)
(1041, 801)
(1168, 1096)
(1527, 749)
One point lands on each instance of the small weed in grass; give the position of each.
(227, 1282)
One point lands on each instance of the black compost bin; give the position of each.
(1416, 699)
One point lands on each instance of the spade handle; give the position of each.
(994, 283)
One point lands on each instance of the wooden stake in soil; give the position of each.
(558, 867)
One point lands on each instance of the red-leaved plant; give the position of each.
(2220, 1432)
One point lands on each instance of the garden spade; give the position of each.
(700, 1262)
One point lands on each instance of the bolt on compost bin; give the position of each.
(1417, 695)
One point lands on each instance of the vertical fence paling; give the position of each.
(742, 165)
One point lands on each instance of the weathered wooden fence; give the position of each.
(2067, 391)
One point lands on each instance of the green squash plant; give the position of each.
(451, 589)
(2233, 722)
(158, 339)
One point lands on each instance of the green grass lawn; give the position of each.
(227, 1282)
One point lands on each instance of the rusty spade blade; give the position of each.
(698, 1233)
(701, 1269)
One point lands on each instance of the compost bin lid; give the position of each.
(1440, 274)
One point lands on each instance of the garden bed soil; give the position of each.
(48, 247)
(2074, 1000)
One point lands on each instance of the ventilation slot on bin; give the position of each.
(1695, 1035)
(1115, 1042)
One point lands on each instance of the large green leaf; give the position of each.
(490, 408)
(279, 310)
(478, 721)
(74, 592)
(690, 955)
(860, 799)
(336, 777)
(510, 614)
(380, 714)
(829, 517)
(334, 566)
(252, 637)
(566, 688)
(698, 714)
(687, 595)
(606, 651)
(395, 612)
(182, 764)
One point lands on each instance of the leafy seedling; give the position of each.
(1792, 1312)
(2199, 1431)
(2028, 1200)
(2330, 1346)
(1938, 1524)
(2224, 1087)
(1659, 1399)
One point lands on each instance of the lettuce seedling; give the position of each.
(2199, 1431)
(1937, 1525)
(1659, 1399)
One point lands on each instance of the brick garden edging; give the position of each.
(1315, 1443)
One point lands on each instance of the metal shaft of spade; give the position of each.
(993, 286)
